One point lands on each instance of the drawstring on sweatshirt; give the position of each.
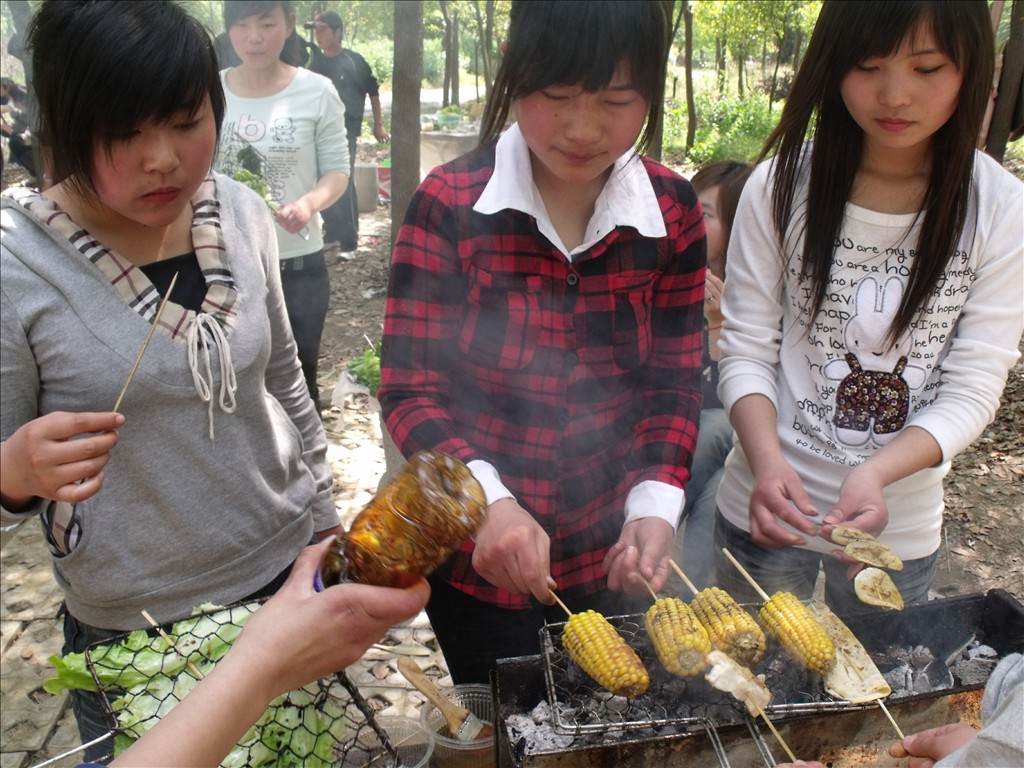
(204, 330)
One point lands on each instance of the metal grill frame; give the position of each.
(570, 689)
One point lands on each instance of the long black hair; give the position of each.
(580, 42)
(848, 32)
(102, 68)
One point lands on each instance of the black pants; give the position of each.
(341, 218)
(307, 293)
(473, 634)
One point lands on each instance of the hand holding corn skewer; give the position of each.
(730, 628)
(594, 644)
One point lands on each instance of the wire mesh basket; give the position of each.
(144, 674)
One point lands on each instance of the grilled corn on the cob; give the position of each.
(678, 637)
(789, 622)
(730, 628)
(594, 644)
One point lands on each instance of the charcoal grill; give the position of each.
(689, 723)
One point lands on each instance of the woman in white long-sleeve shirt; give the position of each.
(874, 301)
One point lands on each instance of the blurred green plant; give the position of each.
(727, 128)
(378, 54)
(365, 369)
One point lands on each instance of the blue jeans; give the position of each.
(307, 293)
(796, 570)
(696, 554)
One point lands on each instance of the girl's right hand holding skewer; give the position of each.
(59, 456)
(513, 552)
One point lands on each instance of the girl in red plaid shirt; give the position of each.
(544, 324)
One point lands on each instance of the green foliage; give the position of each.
(366, 369)
(727, 128)
(379, 54)
(433, 62)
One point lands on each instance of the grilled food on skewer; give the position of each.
(678, 637)
(854, 676)
(788, 621)
(730, 628)
(599, 649)
(875, 587)
(865, 548)
(727, 675)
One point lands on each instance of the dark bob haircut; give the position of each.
(103, 68)
(580, 42)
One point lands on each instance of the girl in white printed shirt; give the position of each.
(874, 301)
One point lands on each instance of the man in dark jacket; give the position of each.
(354, 81)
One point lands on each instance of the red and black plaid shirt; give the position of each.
(577, 381)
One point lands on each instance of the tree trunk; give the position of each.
(1010, 95)
(405, 109)
(691, 105)
(654, 151)
(446, 43)
(740, 79)
(720, 64)
(485, 34)
(775, 79)
(455, 57)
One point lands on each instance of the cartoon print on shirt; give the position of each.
(873, 394)
(283, 130)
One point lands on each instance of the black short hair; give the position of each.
(295, 51)
(581, 42)
(235, 10)
(101, 68)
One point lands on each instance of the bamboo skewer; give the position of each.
(559, 601)
(192, 667)
(679, 572)
(765, 597)
(885, 709)
(778, 736)
(654, 595)
(152, 327)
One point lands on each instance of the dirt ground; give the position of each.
(983, 545)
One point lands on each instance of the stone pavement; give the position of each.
(36, 726)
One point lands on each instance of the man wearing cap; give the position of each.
(354, 80)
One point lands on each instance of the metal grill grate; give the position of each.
(580, 705)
